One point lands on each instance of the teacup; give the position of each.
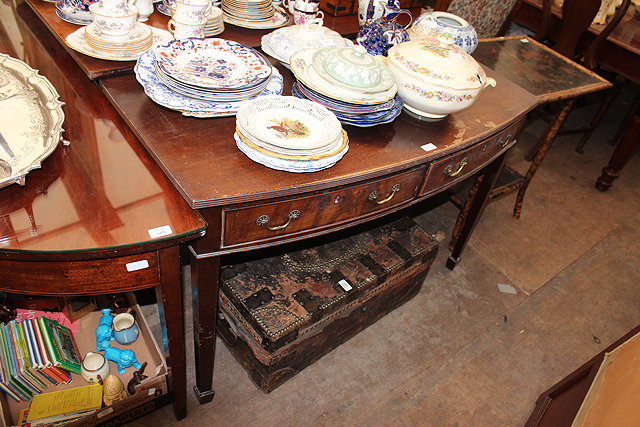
(114, 25)
(181, 30)
(301, 17)
(94, 365)
(301, 5)
(125, 330)
(191, 11)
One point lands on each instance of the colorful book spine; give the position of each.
(16, 357)
(5, 384)
(62, 345)
(23, 357)
(32, 350)
(31, 326)
(16, 385)
(59, 374)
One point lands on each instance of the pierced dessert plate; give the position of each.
(339, 145)
(212, 63)
(289, 122)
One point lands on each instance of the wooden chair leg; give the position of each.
(627, 147)
(627, 119)
(549, 136)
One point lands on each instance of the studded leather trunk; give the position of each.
(280, 314)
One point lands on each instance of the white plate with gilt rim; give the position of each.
(279, 19)
(78, 42)
(289, 122)
(24, 144)
(212, 63)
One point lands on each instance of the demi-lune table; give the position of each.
(99, 217)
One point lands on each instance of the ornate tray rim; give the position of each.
(49, 99)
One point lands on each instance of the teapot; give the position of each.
(377, 36)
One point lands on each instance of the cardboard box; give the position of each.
(151, 394)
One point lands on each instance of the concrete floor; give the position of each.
(463, 353)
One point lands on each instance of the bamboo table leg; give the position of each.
(541, 152)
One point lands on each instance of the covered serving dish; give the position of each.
(435, 77)
(284, 42)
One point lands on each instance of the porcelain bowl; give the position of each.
(431, 24)
(114, 25)
(436, 79)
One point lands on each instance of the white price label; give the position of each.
(428, 147)
(345, 285)
(137, 265)
(165, 230)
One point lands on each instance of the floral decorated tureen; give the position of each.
(435, 77)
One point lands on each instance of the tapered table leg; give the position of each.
(485, 184)
(170, 293)
(204, 282)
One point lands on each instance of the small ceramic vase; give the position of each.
(94, 365)
(379, 35)
(125, 330)
(433, 24)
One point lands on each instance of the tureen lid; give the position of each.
(286, 41)
(439, 62)
(352, 66)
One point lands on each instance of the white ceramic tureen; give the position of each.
(284, 42)
(435, 77)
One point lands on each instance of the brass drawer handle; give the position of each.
(449, 170)
(374, 195)
(263, 220)
(503, 142)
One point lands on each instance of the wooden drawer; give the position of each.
(274, 221)
(90, 277)
(449, 170)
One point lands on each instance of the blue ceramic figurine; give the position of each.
(123, 358)
(104, 331)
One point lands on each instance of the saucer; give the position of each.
(78, 42)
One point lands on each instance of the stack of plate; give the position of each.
(206, 77)
(354, 85)
(255, 14)
(91, 41)
(215, 24)
(137, 41)
(290, 134)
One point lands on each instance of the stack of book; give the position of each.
(34, 354)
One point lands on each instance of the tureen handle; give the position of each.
(490, 82)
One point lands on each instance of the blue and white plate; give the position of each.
(161, 94)
(363, 119)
